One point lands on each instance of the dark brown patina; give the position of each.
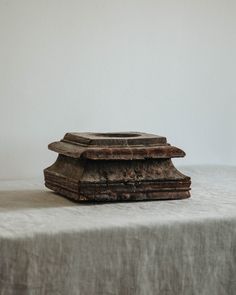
(127, 166)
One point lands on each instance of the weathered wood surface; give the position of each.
(116, 167)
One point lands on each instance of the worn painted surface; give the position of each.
(116, 167)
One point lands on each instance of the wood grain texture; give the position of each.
(116, 167)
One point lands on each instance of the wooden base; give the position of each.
(116, 180)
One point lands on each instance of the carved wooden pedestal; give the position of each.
(116, 167)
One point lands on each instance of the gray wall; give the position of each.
(166, 67)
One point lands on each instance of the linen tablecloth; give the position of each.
(49, 245)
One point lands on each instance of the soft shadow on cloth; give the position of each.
(31, 199)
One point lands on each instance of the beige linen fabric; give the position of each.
(49, 245)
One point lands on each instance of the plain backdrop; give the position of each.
(166, 67)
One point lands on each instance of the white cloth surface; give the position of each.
(49, 245)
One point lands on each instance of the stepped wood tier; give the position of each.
(127, 166)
